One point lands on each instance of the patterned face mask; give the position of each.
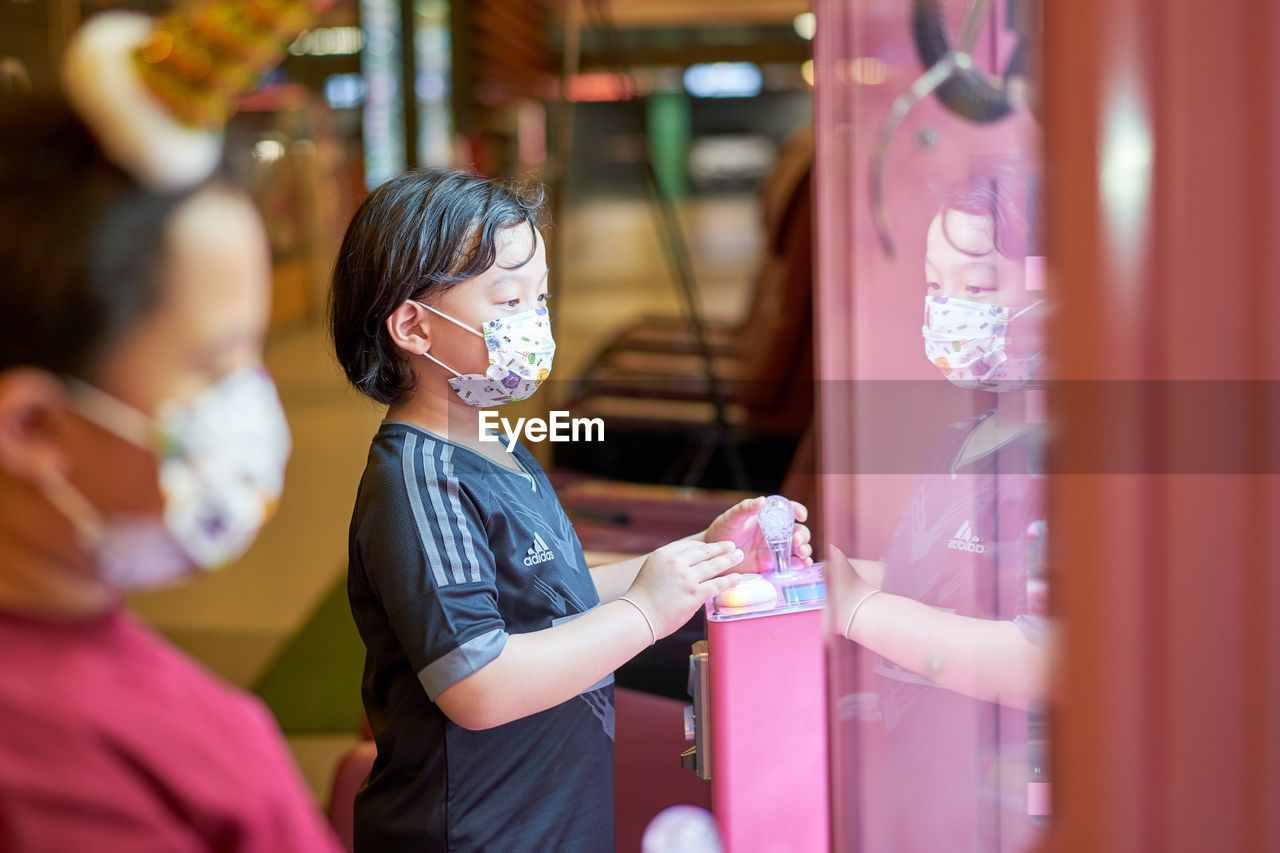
(521, 350)
(967, 341)
(221, 457)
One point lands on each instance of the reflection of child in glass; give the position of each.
(141, 441)
(491, 647)
(948, 607)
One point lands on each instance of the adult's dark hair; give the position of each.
(414, 237)
(81, 243)
(1000, 191)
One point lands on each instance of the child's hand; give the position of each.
(738, 525)
(677, 579)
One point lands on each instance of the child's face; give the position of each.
(211, 319)
(979, 273)
(502, 290)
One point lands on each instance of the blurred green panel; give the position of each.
(313, 685)
(667, 120)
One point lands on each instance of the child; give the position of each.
(141, 441)
(491, 647)
(961, 646)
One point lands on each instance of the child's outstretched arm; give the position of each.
(614, 579)
(987, 659)
(542, 669)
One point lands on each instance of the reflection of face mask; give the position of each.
(520, 353)
(967, 341)
(221, 457)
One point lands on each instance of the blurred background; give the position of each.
(675, 140)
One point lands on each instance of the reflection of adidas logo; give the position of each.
(538, 552)
(965, 540)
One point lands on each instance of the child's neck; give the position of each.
(43, 571)
(451, 419)
(441, 412)
(1011, 417)
(434, 412)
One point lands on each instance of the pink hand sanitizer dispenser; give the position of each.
(759, 717)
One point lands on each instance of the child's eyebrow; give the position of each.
(514, 275)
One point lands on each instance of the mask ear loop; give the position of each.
(451, 320)
(447, 317)
(115, 416)
(1034, 355)
(1025, 310)
(442, 364)
(75, 507)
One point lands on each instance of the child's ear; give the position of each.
(410, 328)
(31, 444)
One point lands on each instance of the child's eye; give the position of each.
(979, 291)
(543, 297)
(932, 285)
(512, 303)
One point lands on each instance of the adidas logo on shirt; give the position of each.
(966, 540)
(538, 552)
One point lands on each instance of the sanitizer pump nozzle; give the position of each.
(778, 523)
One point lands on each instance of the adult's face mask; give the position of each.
(521, 350)
(221, 458)
(969, 343)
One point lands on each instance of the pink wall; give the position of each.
(1166, 202)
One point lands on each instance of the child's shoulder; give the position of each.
(403, 454)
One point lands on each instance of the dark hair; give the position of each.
(415, 236)
(998, 191)
(81, 243)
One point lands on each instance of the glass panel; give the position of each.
(932, 359)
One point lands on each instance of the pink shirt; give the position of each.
(112, 740)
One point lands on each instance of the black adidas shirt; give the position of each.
(450, 553)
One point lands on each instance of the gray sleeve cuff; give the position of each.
(447, 671)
